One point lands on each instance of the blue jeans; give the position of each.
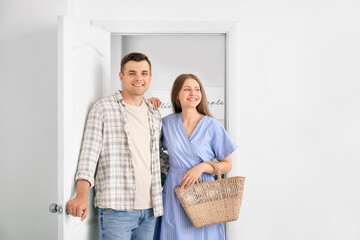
(126, 225)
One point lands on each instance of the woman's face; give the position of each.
(190, 94)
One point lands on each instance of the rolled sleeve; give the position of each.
(91, 146)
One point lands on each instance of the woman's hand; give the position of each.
(155, 101)
(194, 174)
(191, 176)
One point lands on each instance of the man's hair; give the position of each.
(135, 56)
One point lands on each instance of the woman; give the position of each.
(191, 136)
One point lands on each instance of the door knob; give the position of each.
(54, 208)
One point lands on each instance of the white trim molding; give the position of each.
(164, 27)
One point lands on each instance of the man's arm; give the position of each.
(89, 155)
(164, 160)
(78, 207)
(164, 163)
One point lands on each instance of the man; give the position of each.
(120, 157)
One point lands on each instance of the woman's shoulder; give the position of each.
(213, 126)
(212, 122)
(169, 118)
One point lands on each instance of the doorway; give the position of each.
(90, 56)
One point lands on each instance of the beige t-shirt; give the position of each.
(140, 138)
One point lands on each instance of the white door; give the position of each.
(84, 67)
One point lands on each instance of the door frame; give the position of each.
(231, 30)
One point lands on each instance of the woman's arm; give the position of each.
(194, 173)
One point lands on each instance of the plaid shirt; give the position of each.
(106, 154)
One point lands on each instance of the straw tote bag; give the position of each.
(213, 202)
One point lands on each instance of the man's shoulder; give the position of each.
(104, 102)
(156, 117)
(157, 113)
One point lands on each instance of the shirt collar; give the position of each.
(119, 98)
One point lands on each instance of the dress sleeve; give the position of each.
(221, 143)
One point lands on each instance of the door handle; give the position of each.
(54, 208)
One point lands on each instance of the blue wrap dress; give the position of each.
(208, 140)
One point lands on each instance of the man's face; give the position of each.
(136, 77)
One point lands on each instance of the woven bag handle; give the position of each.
(217, 170)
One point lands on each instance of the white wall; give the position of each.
(28, 122)
(298, 112)
(298, 115)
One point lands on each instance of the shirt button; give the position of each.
(133, 187)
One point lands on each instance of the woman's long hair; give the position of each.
(177, 86)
